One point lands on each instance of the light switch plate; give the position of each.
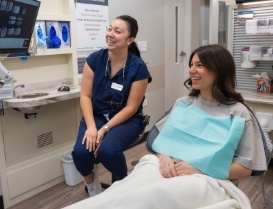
(142, 46)
(230, 2)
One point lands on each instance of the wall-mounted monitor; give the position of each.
(17, 20)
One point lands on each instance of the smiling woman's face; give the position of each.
(117, 35)
(202, 78)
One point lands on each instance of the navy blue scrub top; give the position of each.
(110, 95)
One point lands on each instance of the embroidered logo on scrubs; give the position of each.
(117, 86)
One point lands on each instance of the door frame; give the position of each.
(214, 23)
(177, 72)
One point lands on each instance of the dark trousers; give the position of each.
(111, 150)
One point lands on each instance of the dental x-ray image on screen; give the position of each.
(17, 20)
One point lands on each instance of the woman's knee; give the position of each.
(79, 154)
(106, 152)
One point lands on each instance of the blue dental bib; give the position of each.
(206, 142)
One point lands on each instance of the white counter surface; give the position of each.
(50, 88)
(253, 96)
(53, 96)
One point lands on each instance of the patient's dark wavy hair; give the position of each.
(217, 59)
(133, 29)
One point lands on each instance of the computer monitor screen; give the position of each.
(17, 20)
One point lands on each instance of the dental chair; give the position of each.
(153, 133)
(266, 123)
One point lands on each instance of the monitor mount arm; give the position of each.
(6, 88)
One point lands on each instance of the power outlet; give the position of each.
(230, 2)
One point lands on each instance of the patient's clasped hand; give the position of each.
(208, 127)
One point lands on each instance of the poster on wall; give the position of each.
(92, 19)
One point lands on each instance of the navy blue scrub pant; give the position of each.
(111, 150)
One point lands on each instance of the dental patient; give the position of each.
(208, 140)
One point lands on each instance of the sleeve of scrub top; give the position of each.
(94, 59)
(142, 72)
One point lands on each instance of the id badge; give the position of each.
(117, 86)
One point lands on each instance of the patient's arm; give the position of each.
(238, 171)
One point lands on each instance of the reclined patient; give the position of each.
(209, 139)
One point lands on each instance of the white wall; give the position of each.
(150, 17)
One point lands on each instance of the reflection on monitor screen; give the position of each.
(17, 20)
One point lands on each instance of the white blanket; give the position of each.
(146, 188)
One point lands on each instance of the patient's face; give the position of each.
(202, 78)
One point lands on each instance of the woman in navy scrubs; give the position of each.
(113, 89)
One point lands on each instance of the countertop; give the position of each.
(253, 96)
(53, 95)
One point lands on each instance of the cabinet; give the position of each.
(30, 150)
